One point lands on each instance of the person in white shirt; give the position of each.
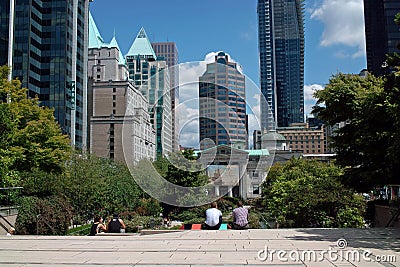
(213, 218)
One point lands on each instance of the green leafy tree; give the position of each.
(181, 169)
(302, 193)
(99, 186)
(30, 136)
(368, 142)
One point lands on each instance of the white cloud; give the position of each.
(189, 74)
(210, 57)
(309, 100)
(343, 25)
(188, 114)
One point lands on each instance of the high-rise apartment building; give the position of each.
(222, 104)
(120, 127)
(281, 51)
(151, 76)
(169, 52)
(49, 57)
(381, 33)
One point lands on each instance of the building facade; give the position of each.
(301, 137)
(169, 52)
(151, 76)
(49, 56)
(281, 52)
(235, 172)
(120, 127)
(381, 33)
(222, 104)
(5, 10)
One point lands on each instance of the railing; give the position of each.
(394, 217)
(9, 211)
(8, 207)
(264, 223)
(7, 222)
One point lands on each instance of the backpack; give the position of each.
(114, 226)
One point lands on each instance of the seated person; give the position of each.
(240, 215)
(116, 224)
(11, 231)
(213, 218)
(97, 226)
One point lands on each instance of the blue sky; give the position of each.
(334, 33)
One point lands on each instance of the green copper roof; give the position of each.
(114, 43)
(258, 152)
(141, 46)
(252, 152)
(95, 39)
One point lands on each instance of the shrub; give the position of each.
(349, 218)
(48, 216)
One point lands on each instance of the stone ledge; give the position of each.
(154, 232)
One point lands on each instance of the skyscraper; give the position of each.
(4, 30)
(381, 33)
(169, 52)
(151, 76)
(281, 51)
(222, 104)
(49, 57)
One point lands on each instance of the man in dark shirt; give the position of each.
(115, 225)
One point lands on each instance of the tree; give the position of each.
(302, 193)
(30, 136)
(369, 140)
(181, 169)
(99, 186)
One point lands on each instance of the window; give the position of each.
(256, 189)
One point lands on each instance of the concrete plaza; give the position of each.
(288, 247)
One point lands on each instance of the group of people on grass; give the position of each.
(214, 217)
(115, 225)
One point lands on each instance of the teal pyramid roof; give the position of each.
(95, 39)
(114, 43)
(141, 46)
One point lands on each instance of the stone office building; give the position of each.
(119, 121)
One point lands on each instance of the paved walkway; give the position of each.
(289, 247)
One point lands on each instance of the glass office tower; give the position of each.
(4, 30)
(281, 51)
(50, 59)
(222, 104)
(381, 33)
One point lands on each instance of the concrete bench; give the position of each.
(195, 226)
